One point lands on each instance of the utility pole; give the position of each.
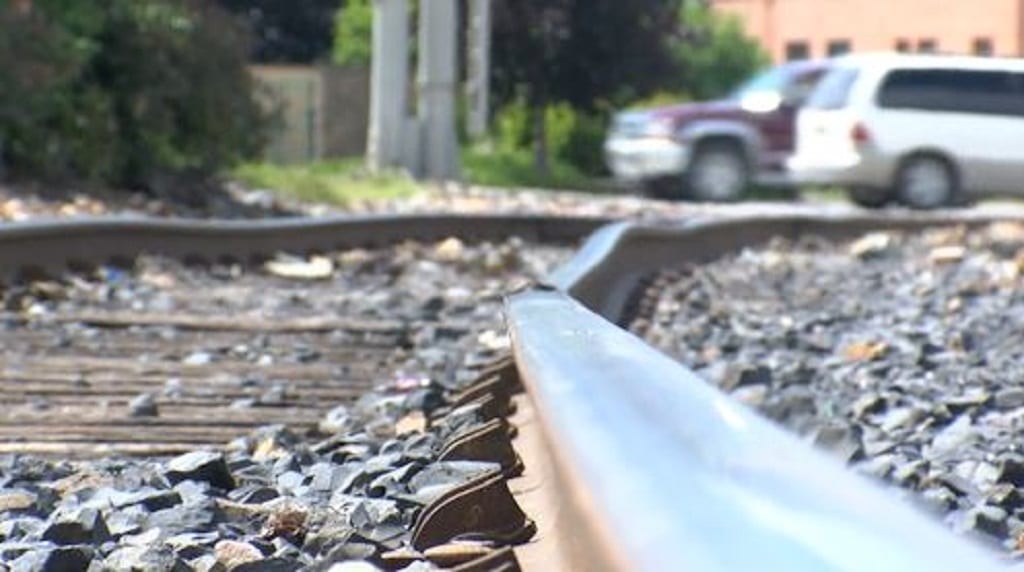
(389, 84)
(478, 85)
(438, 78)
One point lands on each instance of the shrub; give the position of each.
(127, 92)
(714, 53)
(584, 148)
(353, 33)
(573, 136)
(514, 131)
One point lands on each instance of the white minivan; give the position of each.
(924, 131)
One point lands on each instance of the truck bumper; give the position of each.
(639, 159)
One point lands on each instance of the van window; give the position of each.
(834, 91)
(954, 91)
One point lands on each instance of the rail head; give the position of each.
(607, 270)
(657, 469)
(52, 246)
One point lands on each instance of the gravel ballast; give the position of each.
(344, 494)
(899, 353)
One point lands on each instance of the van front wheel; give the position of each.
(926, 182)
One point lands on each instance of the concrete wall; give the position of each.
(877, 25)
(324, 111)
(346, 110)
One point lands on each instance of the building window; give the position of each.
(797, 51)
(838, 47)
(983, 47)
(927, 46)
(902, 45)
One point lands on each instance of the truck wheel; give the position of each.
(927, 182)
(661, 188)
(718, 173)
(870, 197)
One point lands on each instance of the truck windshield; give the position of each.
(769, 81)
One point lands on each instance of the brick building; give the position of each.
(798, 29)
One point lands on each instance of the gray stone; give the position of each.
(126, 521)
(253, 494)
(329, 478)
(207, 563)
(198, 358)
(910, 474)
(842, 441)
(146, 559)
(988, 519)
(956, 435)
(81, 526)
(741, 375)
(57, 559)
(393, 483)
(349, 551)
(878, 467)
(13, 550)
(901, 418)
(143, 405)
(1006, 497)
(869, 403)
(193, 491)
(151, 499)
(751, 395)
(19, 528)
(1011, 470)
(196, 517)
(291, 481)
(204, 466)
(1010, 398)
(272, 564)
(939, 498)
(191, 545)
(449, 474)
(13, 500)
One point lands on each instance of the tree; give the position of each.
(353, 33)
(136, 93)
(288, 31)
(577, 51)
(712, 52)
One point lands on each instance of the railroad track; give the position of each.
(634, 461)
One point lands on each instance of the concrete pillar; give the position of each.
(389, 84)
(438, 78)
(478, 86)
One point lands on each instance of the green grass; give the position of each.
(338, 182)
(515, 169)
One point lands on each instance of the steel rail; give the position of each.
(655, 469)
(52, 246)
(639, 442)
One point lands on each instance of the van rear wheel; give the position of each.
(926, 182)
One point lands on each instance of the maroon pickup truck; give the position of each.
(712, 151)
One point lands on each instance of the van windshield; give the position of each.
(834, 91)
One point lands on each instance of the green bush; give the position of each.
(573, 136)
(353, 33)
(138, 93)
(515, 169)
(713, 53)
(513, 128)
(584, 148)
